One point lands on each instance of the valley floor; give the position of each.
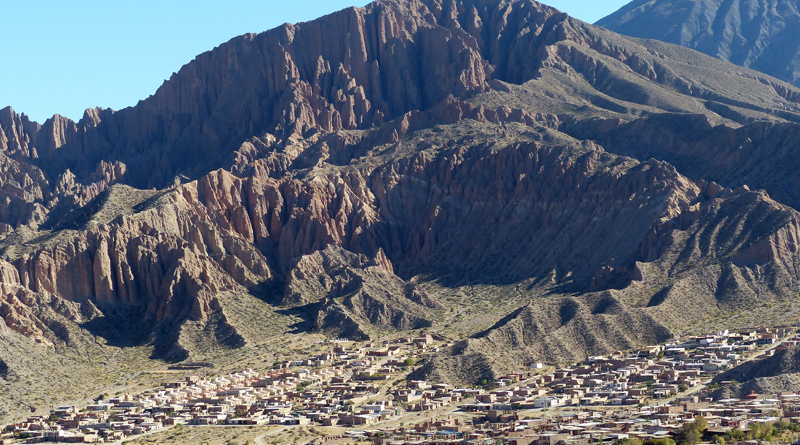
(363, 391)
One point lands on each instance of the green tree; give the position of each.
(701, 424)
(693, 432)
(761, 431)
(734, 435)
(755, 430)
(690, 437)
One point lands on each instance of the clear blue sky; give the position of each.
(63, 56)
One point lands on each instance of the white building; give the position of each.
(546, 402)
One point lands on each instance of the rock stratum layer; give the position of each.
(493, 171)
(760, 34)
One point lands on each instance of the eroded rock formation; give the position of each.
(478, 167)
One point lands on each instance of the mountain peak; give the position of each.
(760, 34)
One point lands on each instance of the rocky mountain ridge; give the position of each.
(491, 170)
(758, 34)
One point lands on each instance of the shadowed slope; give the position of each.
(399, 166)
(760, 34)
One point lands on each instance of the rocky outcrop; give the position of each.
(758, 34)
(356, 297)
(335, 239)
(718, 255)
(158, 260)
(556, 330)
(397, 57)
(418, 173)
(760, 155)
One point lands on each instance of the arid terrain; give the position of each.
(758, 34)
(522, 184)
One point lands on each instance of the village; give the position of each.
(653, 394)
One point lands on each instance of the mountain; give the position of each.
(491, 171)
(760, 34)
(769, 375)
